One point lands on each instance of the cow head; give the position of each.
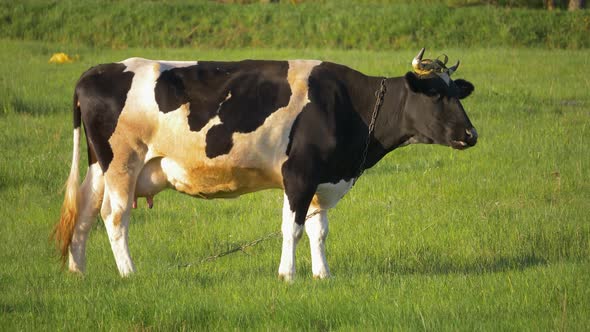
(433, 108)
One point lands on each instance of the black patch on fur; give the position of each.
(330, 129)
(328, 137)
(102, 92)
(257, 88)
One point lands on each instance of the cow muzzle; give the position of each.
(469, 140)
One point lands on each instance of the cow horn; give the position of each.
(425, 67)
(418, 65)
(418, 58)
(454, 68)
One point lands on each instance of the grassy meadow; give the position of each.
(341, 24)
(493, 238)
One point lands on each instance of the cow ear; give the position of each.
(465, 88)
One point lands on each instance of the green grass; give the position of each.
(493, 238)
(374, 25)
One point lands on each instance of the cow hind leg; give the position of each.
(116, 209)
(116, 214)
(89, 201)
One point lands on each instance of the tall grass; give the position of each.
(493, 238)
(352, 25)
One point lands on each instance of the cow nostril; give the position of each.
(471, 138)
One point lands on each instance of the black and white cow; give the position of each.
(222, 129)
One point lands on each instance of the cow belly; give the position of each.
(216, 181)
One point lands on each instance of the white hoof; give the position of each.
(287, 277)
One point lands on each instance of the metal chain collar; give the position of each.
(379, 94)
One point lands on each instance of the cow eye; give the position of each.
(433, 94)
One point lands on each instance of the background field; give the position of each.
(343, 24)
(493, 238)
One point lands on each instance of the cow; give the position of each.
(214, 129)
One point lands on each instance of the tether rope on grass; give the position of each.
(241, 247)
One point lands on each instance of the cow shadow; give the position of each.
(472, 267)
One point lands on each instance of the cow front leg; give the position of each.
(317, 232)
(89, 200)
(291, 234)
(299, 179)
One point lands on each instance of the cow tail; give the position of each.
(64, 229)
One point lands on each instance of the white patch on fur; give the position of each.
(146, 73)
(141, 95)
(272, 137)
(133, 64)
(329, 194)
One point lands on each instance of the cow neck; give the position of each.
(380, 95)
(388, 133)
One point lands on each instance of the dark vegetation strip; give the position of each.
(328, 24)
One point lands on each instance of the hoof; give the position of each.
(321, 276)
(287, 278)
(77, 269)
